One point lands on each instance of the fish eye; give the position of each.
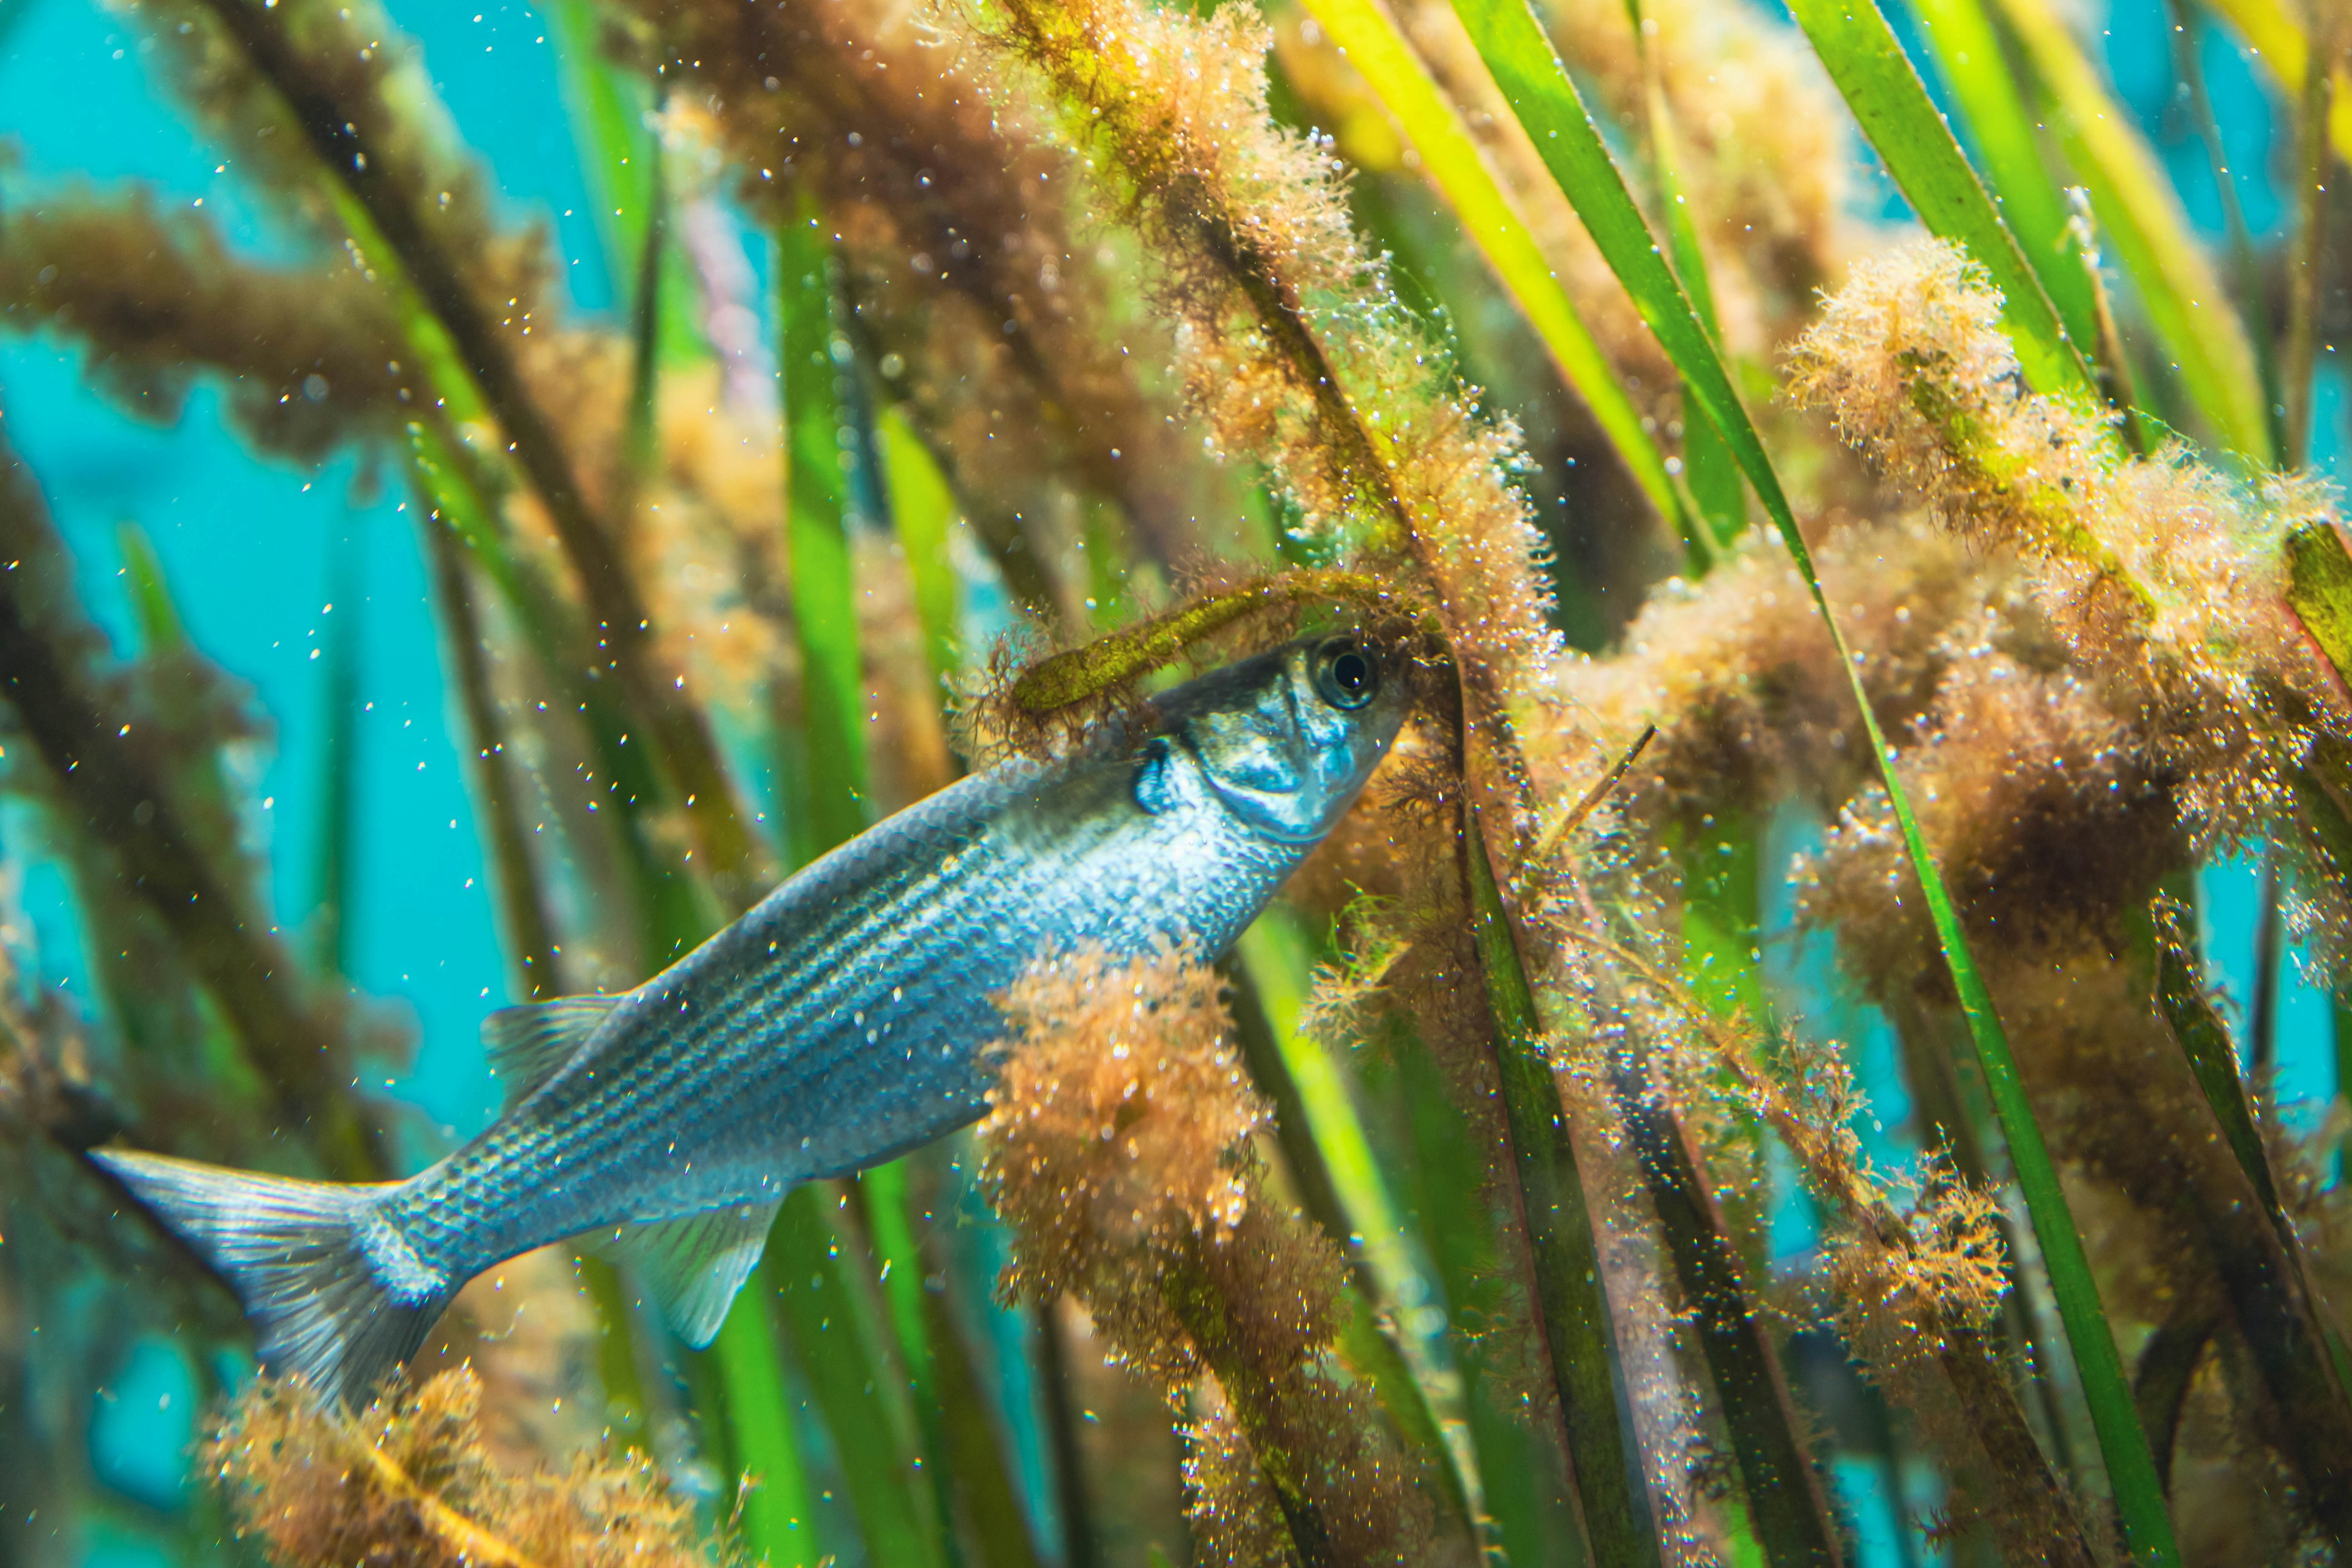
(1345, 675)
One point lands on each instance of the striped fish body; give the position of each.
(848, 1017)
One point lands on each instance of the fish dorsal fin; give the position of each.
(692, 1266)
(527, 1044)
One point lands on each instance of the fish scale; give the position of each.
(848, 1017)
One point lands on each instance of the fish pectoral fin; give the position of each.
(693, 1264)
(529, 1044)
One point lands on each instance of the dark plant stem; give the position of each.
(1785, 1508)
(2224, 1184)
(293, 1027)
(1571, 1292)
(2262, 1015)
(878, 1208)
(1078, 1544)
(2314, 158)
(1260, 1397)
(1986, 1401)
(627, 1413)
(2112, 359)
(530, 933)
(1522, 1469)
(1310, 1177)
(624, 642)
(1367, 1344)
(338, 760)
(963, 1450)
(2204, 1040)
(817, 498)
(641, 441)
(1952, 1131)
(976, 1448)
(2188, 20)
(811, 1293)
(2168, 1366)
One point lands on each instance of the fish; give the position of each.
(848, 1017)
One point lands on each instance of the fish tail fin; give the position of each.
(336, 1295)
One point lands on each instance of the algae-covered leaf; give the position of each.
(1548, 104)
(1886, 96)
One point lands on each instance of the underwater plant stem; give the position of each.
(1571, 1292)
(2186, 305)
(1339, 1186)
(1302, 1153)
(625, 641)
(1521, 1462)
(1133, 651)
(824, 1325)
(1553, 112)
(1998, 1421)
(776, 1523)
(2314, 158)
(976, 1449)
(640, 441)
(1451, 160)
(2259, 1267)
(878, 1205)
(828, 1331)
(2130, 1468)
(922, 511)
(1983, 1396)
(2319, 591)
(2261, 1013)
(824, 609)
(1711, 477)
(1079, 1546)
(106, 788)
(2111, 357)
(1970, 59)
(529, 932)
(1258, 1394)
(2019, 1338)
(2168, 1367)
(674, 909)
(625, 1411)
(469, 1541)
(2012, 479)
(960, 1449)
(338, 760)
(2188, 24)
(1785, 1508)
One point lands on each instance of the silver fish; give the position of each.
(842, 1021)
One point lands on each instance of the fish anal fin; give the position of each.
(529, 1044)
(693, 1266)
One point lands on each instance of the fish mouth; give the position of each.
(1288, 744)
